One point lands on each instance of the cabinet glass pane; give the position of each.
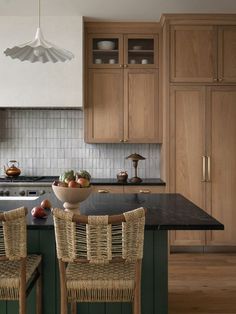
(141, 51)
(105, 50)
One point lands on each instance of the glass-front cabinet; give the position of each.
(140, 51)
(122, 51)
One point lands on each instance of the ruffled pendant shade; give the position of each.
(39, 49)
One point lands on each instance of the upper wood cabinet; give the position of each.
(203, 53)
(123, 106)
(122, 51)
(122, 87)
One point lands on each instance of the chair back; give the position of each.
(13, 244)
(99, 239)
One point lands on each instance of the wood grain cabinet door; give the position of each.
(187, 134)
(104, 114)
(227, 54)
(221, 148)
(141, 106)
(193, 53)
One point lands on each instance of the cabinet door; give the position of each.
(227, 53)
(141, 51)
(105, 51)
(193, 53)
(141, 105)
(104, 114)
(187, 136)
(221, 188)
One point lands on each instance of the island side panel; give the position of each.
(160, 273)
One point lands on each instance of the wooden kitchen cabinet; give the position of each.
(123, 106)
(127, 50)
(123, 89)
(203, 163)
(221, 152)
(203, 53)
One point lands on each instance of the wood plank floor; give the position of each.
(202, 283)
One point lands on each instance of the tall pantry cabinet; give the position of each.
(200, 97)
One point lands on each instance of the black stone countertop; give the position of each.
(106, 181)
(165, 211)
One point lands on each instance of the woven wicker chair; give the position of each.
(99, 257)
(18, 272)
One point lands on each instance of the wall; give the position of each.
(47, 142)
(26, 84)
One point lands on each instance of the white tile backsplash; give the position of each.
(48, 142)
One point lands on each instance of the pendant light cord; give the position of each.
(39, 10)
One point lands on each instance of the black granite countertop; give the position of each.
(165, 211)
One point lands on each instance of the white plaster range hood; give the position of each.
(38, 85)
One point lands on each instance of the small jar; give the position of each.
(122, 176)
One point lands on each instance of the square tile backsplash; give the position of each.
(48, 142)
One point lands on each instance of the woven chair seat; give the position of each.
(10, 276)
(110, 282)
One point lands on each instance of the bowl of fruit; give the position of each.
(72, 189)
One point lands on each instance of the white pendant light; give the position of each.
(39, 50)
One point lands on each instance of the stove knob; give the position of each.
(22, 193)
(6, 193)
(41, 192)
(1, 193)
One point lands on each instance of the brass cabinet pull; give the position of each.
(125, 140)
(220, 79)
(125, 65)
(208, 168)
(203, 168)
(103, 191)
(215, 79)
(121, 65)
(121, 141)
(145, 191)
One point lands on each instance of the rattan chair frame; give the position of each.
(61, 218)
(14, 250)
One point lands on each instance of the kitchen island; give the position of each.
(165, 212)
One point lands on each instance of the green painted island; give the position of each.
(165, 212)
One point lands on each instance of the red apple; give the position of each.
(38, 212)
(73, 184)
(83, 182)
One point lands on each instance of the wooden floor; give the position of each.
(202, 283)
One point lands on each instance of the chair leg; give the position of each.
(137, 290)
(73, 307)
(22, 292)
(39, 292)
(63, 289)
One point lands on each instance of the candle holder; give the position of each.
(135, 159)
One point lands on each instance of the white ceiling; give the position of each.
(121, 10)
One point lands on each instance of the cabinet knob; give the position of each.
(121, 141)
(220, 79)
(103, 191)
(121, 65)
(125, 141)
(125, 65)
(215, 79)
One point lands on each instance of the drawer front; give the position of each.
(108, 189)
(145, 189)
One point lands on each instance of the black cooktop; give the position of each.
(29, 179)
